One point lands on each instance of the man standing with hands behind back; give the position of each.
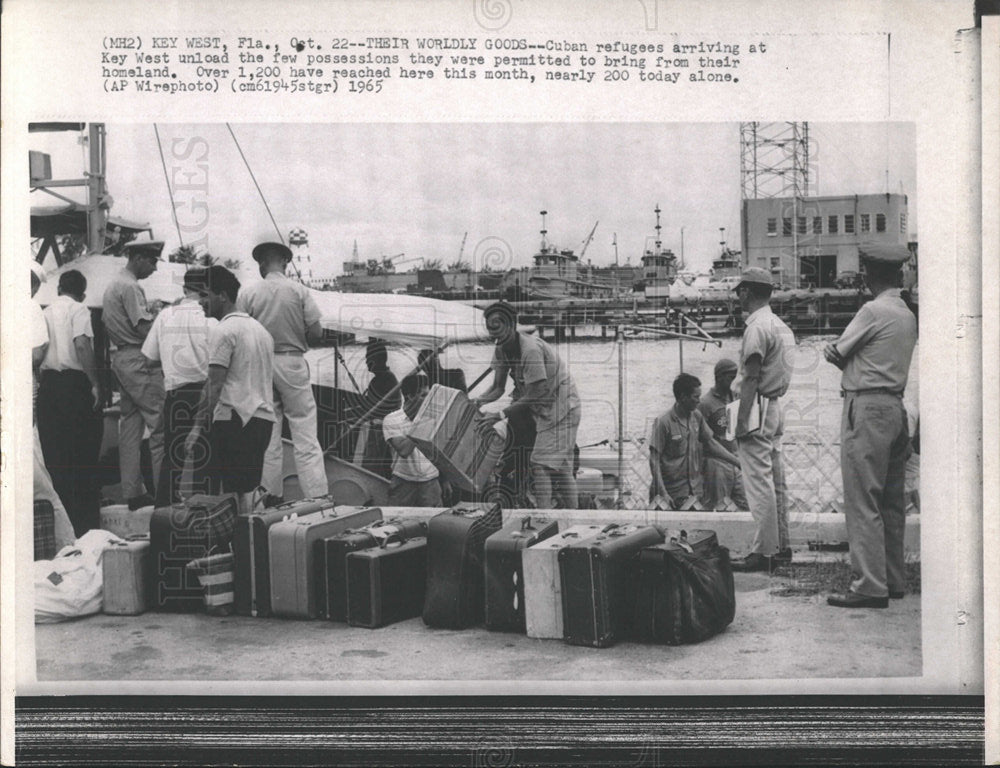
(289, 313)
(766, 362)
(874, 352)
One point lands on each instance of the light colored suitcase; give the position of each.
(126, 568)
(292, 544)
(542, 588)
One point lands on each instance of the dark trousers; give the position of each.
(180, 406)
(70, 431)
(236, 456)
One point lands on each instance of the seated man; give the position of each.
(414, 480)
(722, 480)
(679, 439)
(238, 396)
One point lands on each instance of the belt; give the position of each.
(120, 347)
(294, 352)
(873, 391)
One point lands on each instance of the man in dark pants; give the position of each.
(178, 340)
(874, 352)
(70, 423)
(238, 397)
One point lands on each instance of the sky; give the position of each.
(417, 188)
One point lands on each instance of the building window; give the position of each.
(775, 262)
(817, 225)
(786, 227)
(772, 227)
(831, 226)
(902, 223)
(801, 224)
(880, 222)
(866, 223)
(849, 224)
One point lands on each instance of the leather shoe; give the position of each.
(138, 502)
(897, 595)
(854, 600)
(753, 562)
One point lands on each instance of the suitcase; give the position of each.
(685, 591)
(125, 523)
(215, 574)
(252, 578)
(444, 430)
(599, 582)
(386, 584)
(201, 526)
(331, 557)
(455, 552)
(45, 530)
(504, 573)
(543, 612)
(292, 545)
(126, 569)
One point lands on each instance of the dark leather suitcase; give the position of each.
(201, 526)
(292, 545)
(685, 591)
(386, 584)
(45, 530)
(598, 579)
(251, 562)
(456, 542)
(331, 559)
(504, 572)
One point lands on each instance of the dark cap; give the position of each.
(755, 275)
(272, 249)
(151, 248)
(725, 365)
(890, 255)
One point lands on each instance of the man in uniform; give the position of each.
(70, 423)
(127, 318)
(543, 384)
(766, 358)
(679, 439)
(178, 340)
(722, 479)
(874, 352)
(289, 313)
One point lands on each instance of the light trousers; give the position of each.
(764, 482)
(293, 400)
(141, 406)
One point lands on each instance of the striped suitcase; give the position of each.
(215, 574)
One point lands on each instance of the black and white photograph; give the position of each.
(524, 378)
(626, 302)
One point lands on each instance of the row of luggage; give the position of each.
(591, 585)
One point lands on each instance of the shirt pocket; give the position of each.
(675, 447)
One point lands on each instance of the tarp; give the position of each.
(71, 219)
(412, 321)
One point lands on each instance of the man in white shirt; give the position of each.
(70, 422)
(178, 340)
(43, 488)
(238, 396)
(414, 480)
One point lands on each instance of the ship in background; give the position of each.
(659, 268)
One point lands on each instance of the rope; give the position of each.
(261, 193)
(166, 180)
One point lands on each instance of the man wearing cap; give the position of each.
(43, 488)
(722, 479)
(289, 313)
(178, 340)
(70, 423)
(238, 397)
(874, 353)
(542, 383)
(766, 357)
(127, 318)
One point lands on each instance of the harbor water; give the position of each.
(812, 405)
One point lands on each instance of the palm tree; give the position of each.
(433, 263)
(186, 254)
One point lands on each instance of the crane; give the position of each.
(589, 238)
(461, 248)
